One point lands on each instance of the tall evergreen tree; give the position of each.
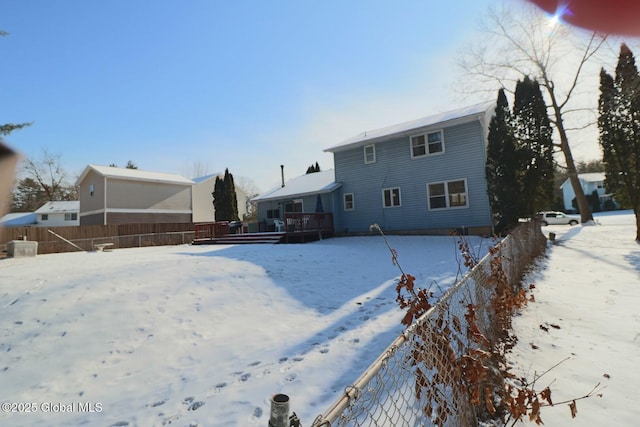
(218, 200)
(619, 125)
(225, 203)
(501, 168)
(533, 134)
(231, 197)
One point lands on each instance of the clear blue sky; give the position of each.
(247, 85)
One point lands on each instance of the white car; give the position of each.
(557, 218)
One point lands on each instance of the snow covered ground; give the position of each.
(201, 335)
(205, 335)
(586, 309)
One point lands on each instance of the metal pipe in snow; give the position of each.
(279, 411)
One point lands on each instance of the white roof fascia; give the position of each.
(136, 175)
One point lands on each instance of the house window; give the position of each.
(293, 206)
(391, 197)
(435, 142)
(71, 217)
(91, 189)
(450, 194)
(348, 202)
(418, 146)
(45, 217)
(273, 213)
(427, 144)
(370, 154)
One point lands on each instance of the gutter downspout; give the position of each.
(104, 218)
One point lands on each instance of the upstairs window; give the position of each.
(418, 146)
(427, 144)
(348, 202)
(370, 154)
(391, 197)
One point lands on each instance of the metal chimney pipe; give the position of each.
(282, 173)
(279, 411)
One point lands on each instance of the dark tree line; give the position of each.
(520, 166)
(313, 168)
(619, 125)
(225, 201)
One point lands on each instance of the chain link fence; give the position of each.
(418, 380)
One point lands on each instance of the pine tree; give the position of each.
(230, 196)
(225, 201)
(533, 134)
(313, 168)
(619, 125)
(501, 168)
(218, 200)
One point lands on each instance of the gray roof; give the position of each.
(449, 118)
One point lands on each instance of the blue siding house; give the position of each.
(314, 192)
(426, 176)
(423, 176)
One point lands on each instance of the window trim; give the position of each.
(384, 204)
(364, 150)
(426, 144)
(344, 202)
(446, 195)
(293, 202)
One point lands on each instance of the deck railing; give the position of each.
(210, 230)
(301, 222)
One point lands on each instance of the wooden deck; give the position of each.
(298, 228)
(234, 239)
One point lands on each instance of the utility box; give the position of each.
(21, 248)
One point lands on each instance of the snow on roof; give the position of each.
(586, 177)
(592, 176)
(59, 207)
(136, 175)
(200, 179)
(311, 183)
(18, 218)
(463, 114)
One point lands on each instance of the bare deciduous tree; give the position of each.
(531, 44)
(48, 172)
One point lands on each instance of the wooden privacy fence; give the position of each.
(86, 236)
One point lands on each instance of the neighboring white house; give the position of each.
(58, 214)
(202, 196)
(590, 182)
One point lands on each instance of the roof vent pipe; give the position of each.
(282, 173)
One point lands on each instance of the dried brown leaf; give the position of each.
(574, 408)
